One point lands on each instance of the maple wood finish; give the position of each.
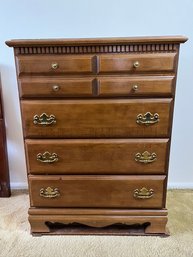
(95, 64)
(97, 191)
(97, 117)
(49, 87)
(154, 220)
(4, 168)
(66, 64)
(126, 64)
(105, 156)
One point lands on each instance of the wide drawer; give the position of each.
(133, 63)
(97, 191)
(97, 156)
(96, 118)
(48, 86)
(55, 64)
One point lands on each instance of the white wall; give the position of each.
(87, 18)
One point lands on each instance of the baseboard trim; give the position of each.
(180, 185)
(23, 185)
(19, 185)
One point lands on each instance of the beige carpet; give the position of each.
(16, 241)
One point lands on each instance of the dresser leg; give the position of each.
(38, 225)
(157, 226)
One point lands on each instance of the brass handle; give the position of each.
(44, 119)
(147, 119)
(135, 87)
(47, 157)
(146, 157)
(55, 66)
(49, 192)
(143, 193)
(136, 64)
(55, 87)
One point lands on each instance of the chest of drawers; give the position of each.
(97, 117)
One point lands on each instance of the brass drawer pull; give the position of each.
(135, 87)
(143, 193)
(47, 157)
(55, 87)
(44, 119)
(54, 66)
(147, 119)
(49, 192)
(136, 64)
(146, 157)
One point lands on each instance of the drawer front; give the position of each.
(133, 63)
(136, 86)
(54, 64)
(107, 86)
(97, 191)
(96, 118)
(55, 87)
(97, 156)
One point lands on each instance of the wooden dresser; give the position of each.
(4, 168)
(97, 118)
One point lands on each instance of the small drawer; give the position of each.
(136, 86)
(134, 63)
(55, 64)
(55, 87)
(96, 118)
(97, 191)
(97, 156)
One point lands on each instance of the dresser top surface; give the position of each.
(95, 41)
